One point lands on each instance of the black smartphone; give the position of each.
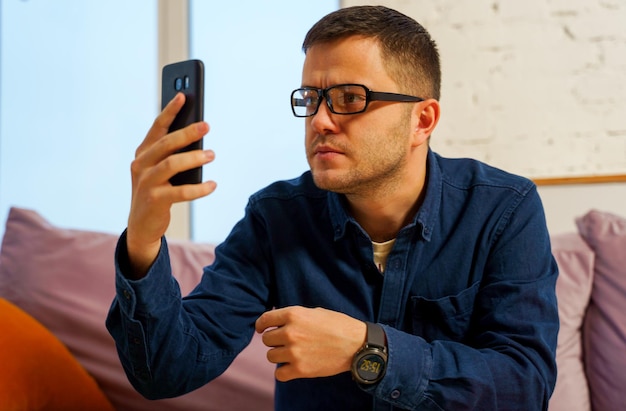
(185, 77)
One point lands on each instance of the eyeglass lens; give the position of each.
(342, 99)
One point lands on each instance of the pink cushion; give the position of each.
(573, 289)
(65, 279)
(605, 326)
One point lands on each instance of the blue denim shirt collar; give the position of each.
(425, 217)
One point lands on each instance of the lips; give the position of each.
(326, 149)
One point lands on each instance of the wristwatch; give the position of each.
(370, 362)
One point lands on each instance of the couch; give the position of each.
(56, 286)
(63, 281)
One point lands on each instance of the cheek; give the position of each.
(385, 138)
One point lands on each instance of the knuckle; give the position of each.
(136, 167)
(167, 145)
(172, 164)
(293, 313)
(162, 120)
(299, 369)
(168, 165)
(151, 197)
(139, 150)
(288, 337)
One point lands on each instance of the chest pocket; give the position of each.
(446, 318)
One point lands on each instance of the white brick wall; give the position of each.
(537, 87)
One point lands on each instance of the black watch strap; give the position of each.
(376, 335)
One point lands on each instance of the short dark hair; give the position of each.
(410, 54)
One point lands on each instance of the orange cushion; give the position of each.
(38, 372)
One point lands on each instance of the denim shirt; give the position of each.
(467, 299)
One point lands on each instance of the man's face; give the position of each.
(358, 153)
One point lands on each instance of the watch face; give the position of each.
(370, 367)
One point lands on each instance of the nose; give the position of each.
(323, 121)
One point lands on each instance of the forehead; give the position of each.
(349, 60)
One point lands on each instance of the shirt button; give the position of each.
(126, 294)
(395, 394)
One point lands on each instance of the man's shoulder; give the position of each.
(468, 174)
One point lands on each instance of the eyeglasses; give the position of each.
(341, 99)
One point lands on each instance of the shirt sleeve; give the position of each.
(160, 342)
(507, 361)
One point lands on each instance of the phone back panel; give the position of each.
(186, 77)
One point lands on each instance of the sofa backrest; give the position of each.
(65, 279)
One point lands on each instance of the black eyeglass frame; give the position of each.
(369, 97)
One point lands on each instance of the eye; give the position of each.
(347, 98)
(350, 97)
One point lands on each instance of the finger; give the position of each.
(159, 150)
(273, 318)
(162, 122)
(286, 373)
(286, 370)
(180, 162)
(153, 197)
(189, 192)
(175, 194)
(262, 323)
(279, 355)
(274, 337)
(179, 139)
(150, 208)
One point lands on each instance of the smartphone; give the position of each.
(185, 77)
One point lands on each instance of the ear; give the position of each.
(425, 118)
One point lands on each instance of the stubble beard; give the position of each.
(378, 169)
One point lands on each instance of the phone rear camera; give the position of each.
(178, 84)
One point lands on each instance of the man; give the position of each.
(387, 277)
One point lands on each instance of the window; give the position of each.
(78, 90)
(248, 44)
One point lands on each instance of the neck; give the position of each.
(383, 213)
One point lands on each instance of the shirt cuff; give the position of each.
(408, 366)
(150, 293)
